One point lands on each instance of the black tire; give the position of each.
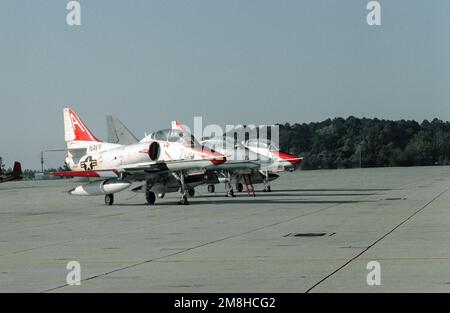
(239, 187)
(191, 192)
(269, 189)
(211, 188)
(151, 197)
(183, 201)
(109, 199)
(231, 194)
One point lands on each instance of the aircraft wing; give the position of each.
(118, 132)
(115, 173)
(8, 179)
(139, 171)
(178, 165)
(237, 165)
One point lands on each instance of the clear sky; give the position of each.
(230, 61)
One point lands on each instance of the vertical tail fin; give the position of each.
(17, 170)
(178, 125)
(75, 129)
(118, 132)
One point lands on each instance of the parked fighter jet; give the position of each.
(239, 169)
(261, 167)
(280, 161)
(15, 174)
(163, 164)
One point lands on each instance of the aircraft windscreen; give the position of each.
(262, 143)
(176, 135)
(220, 142)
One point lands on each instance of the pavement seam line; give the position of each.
(197, 246)
(378, 240)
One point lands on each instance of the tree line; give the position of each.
(354, 142)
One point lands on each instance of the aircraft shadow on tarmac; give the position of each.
(276, 201)
(276, 197)
(248, 201)
(284, 194)
(336, 189)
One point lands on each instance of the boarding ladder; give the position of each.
(249, 185)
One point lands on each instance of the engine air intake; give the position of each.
(153, 151)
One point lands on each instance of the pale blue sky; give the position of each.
(230, 61)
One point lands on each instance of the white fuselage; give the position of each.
(107, 156)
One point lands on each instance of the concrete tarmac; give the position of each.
(316, 232)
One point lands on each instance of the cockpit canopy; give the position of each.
(262, 143)
(175, 135)
(222, 142)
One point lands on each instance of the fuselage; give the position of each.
(107, 156)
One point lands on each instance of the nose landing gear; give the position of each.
(266, 182)
(150, 196)
(184, 190)
(228, 186)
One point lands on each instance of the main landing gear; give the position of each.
(228, 186)
(230, 193)
(150, 196)
(109, 199)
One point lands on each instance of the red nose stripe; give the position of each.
(293, 159)
(218, 160)
(215, 157)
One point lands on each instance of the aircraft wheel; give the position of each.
(161, 195)
(183, 201)
(231, 194)
(267, 189)
(151, 197)
(109, 199)
(239, 187)
(191, 192)
(211, 188)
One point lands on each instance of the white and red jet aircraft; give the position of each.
(165, 164)
(261, 168)
(280, 161)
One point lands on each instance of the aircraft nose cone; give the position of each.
(296, 161)
(218, 160)
(293, 159)
(213, 156)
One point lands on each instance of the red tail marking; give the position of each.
(82, 133)
(17, 170)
